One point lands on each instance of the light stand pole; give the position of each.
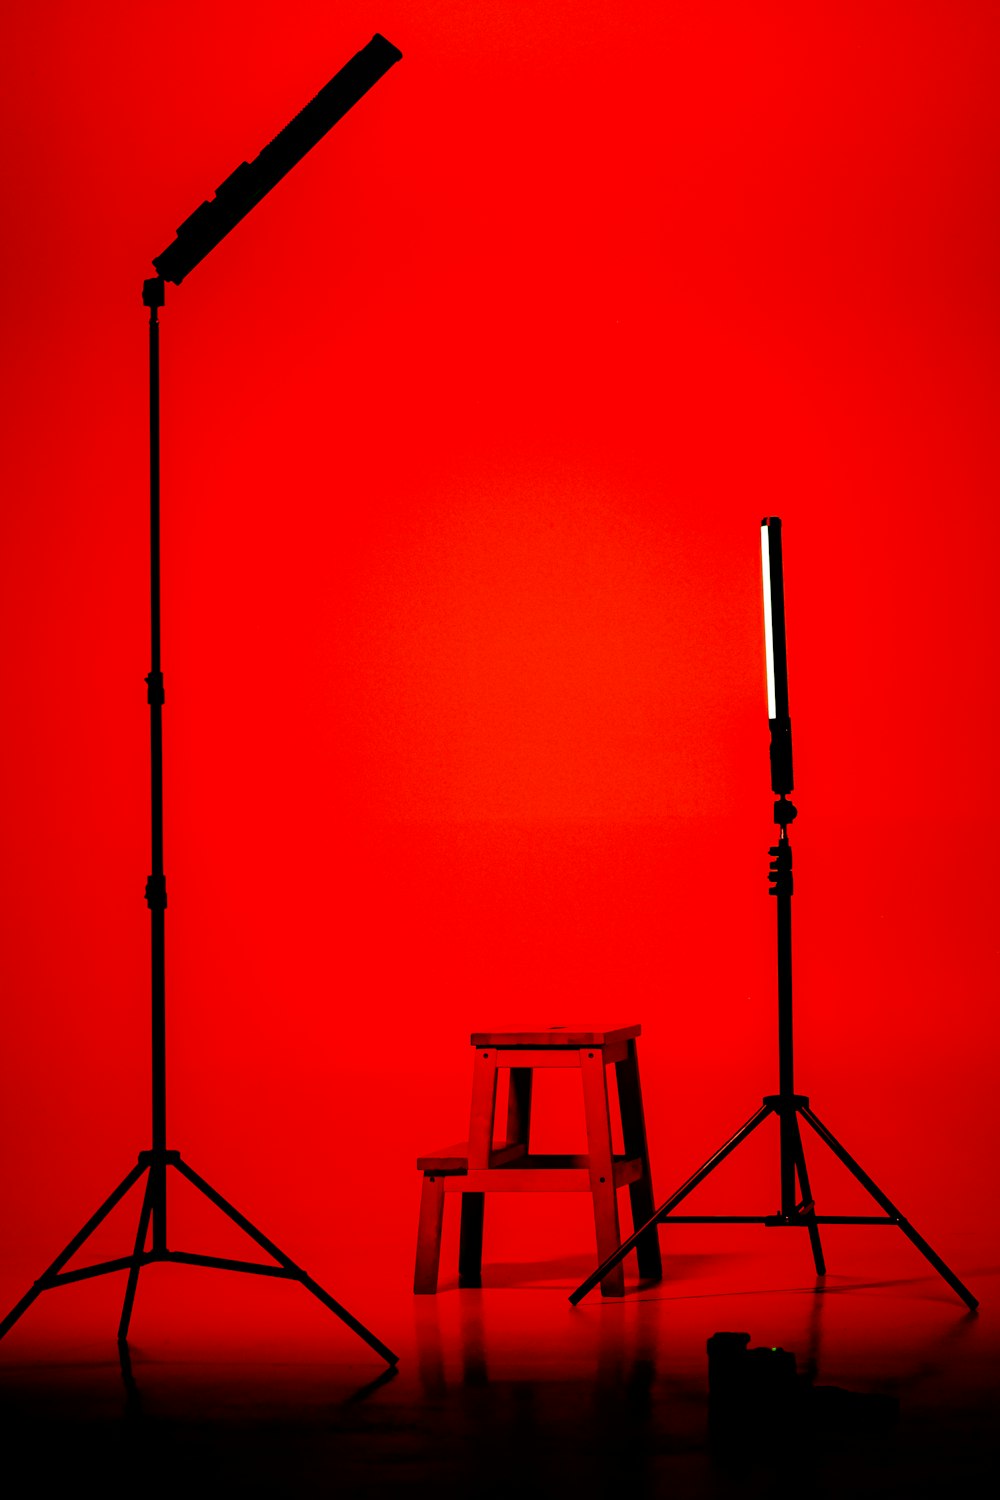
(794, 1212)
(195, 238)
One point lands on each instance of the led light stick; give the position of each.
(794, 1212)
(196, 237)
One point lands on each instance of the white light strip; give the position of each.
(765, 565)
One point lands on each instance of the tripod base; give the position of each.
(154, 1166)
(791, 1215)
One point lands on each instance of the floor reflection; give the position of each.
(508, 1388)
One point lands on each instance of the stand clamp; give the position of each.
(785, 812)
(780, 869)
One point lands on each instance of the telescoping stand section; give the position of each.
(196, 237)
(484, 1165)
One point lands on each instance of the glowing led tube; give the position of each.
(775, 655)
(765, 567)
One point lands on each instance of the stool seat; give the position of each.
(556, 1036)
(479, 1165)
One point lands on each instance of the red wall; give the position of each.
(468, 431)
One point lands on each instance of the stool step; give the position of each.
(456, 1158)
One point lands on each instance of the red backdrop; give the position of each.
(467, 434)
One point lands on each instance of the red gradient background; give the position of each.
(467, 434)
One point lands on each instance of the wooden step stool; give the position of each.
(478, 1167)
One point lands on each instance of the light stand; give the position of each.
(786, 1104)
(195, 238)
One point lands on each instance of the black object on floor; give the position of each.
(757, 1396)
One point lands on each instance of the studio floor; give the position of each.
(239, 1384)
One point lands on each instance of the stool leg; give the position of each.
(640, 1192)
(602, 1167)
(470, 1240)
(484, 1105)
(425, 1276)
(519, 1108)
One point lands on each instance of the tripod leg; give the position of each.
(807, 1197)
(671, 1203)
(286, 1261)
(133, 1274)
(48, 1276)
(876, 1192)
